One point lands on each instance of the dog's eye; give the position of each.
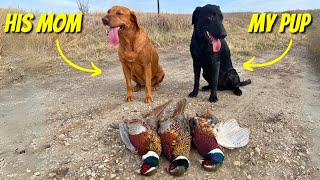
(214, 14)
(119, 13)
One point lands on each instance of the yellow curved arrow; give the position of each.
(248, 65)
(95, 71)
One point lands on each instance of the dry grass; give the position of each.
(32, 53)
(314, 41)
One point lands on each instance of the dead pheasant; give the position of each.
(176, 140)
(208, 135)
(140, 137)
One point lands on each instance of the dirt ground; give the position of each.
(59, 126)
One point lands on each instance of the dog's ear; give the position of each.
(134, 19)
(195, 15)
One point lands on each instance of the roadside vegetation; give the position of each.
(313, 43)
(32, 53)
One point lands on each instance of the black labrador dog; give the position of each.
(210, 52)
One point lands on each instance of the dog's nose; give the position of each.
(105, 21)
(223, 34)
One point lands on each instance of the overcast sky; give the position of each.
(173, 6)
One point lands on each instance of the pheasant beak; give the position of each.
(137, 171)
(177, 171)
(200, 161)
(178, 166)
(209, 167)
(149, 172)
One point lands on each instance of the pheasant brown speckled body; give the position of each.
(140, 137)
(205, 142)
(208, 135)
(202, 134)
(176, 140)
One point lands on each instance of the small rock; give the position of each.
(236, 163)
(37, 173)
(66, 143)
(256, 149)
(101, 166)
(287, 161)
(302, 154)
(11, 175)
(47, 146)
(112, 176)
(251, 154)
(125, 108)
(269, 131)
(28, 170)
(249, 177)
(88, 172)
(93, 174)
(61, 136)
(52, 175)
(85, 149)
(20, 150)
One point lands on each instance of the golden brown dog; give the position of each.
(138, 56)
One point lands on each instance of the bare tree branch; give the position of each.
(83, 6)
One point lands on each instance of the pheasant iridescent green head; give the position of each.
(178, 166)
(213, 161)
(150, 164)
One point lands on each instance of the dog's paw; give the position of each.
(148, 99)
(206, 88)
(193, 94)
(213, 98)
(129, 98)
(237, 92)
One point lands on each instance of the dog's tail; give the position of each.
(246, 82)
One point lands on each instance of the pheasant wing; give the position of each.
(230, 135)
(124, 134)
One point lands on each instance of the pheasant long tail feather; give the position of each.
(152, 117)
(180, 107)
(157, 111)
(124, 134)
(230, 135)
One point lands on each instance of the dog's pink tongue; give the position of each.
(216, 44)
(113, 37)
